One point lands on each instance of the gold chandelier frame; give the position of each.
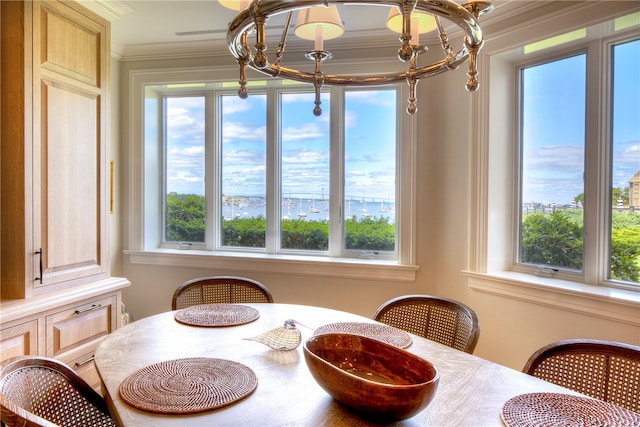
(255, 16)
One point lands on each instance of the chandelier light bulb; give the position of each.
(415, 31)
(319, 41)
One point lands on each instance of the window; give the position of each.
(552, 142)
(552, 145)
(242, 146)
(185, 169)
(264, 175)
(564, 112)
(625, 162)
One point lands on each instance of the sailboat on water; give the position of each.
(384, 208)
(313, 208)
(301, 213)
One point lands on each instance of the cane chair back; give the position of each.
(39, 391)
(606, 370)
(219, 290)
(446, 321)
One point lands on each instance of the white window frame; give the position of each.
(494, 199)
(144, 221)
(589, 51)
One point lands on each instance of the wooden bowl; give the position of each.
(377, 380)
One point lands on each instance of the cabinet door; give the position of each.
(69, 140)
(19, 340)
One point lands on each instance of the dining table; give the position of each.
(471, 390)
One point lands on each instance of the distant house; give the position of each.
(634, 191)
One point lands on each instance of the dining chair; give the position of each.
(439, 319)
(219, 290)
(40, 391)
(606, 370)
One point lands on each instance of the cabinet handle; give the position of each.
(84, 362)
(91, 307)
(39, 252)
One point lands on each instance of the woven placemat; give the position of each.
(558, 409)
(185, 386)
(214, 315)
(384, 333)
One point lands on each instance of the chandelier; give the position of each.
(319, 20)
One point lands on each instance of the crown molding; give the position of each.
(361, 41)
(108, 9)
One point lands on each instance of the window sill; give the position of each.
(303, 265)
(608, 303)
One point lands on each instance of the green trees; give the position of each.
(556, 240)
(185, 222)
(244, 232)
(370, 234)
(621, 194)
(551, 239)
(625, 250)
(616, 193)
(305, 235)
(366, 234)
(185, 218)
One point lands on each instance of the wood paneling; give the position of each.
(55, 69)
(19, 340)
(56, 294)
(81, 325)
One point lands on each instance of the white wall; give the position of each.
(510, 329)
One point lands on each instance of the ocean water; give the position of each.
(306, 209)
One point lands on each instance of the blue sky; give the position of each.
(626, 112)
(369, 154)
(554, 137)
(554, 126)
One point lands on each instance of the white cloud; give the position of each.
(304, 156)
(307, 131)
(235, 104)
(238, 131)
(190, 151)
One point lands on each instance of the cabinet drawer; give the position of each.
(78, 330)
(86, 368)
(19, 340)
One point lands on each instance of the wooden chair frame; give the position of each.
(219, 290)
(436, 318)
(606, 370)
(60, 392)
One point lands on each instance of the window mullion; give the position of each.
(336, 166)
(405, 187)
(597, 169)
(212, 175)
(274, 170)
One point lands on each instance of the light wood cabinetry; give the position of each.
(67, 325)
(57, 297)
(54, 100)
(19, 340)
(72, 332)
